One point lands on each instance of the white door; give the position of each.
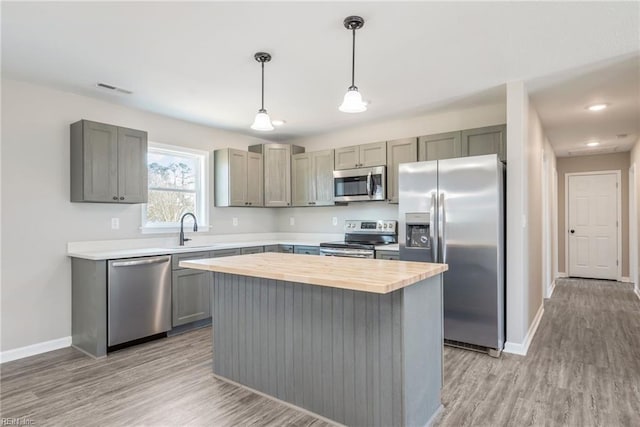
(593, 234)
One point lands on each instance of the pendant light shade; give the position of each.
(353, 102)
(262, 121)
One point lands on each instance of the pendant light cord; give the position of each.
(262, 105)
(353, 59)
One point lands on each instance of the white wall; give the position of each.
(635, 160)
(38, 219)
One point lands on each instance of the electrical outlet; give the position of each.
(292, 221)
(115, 223)
(235, 222)
(334, 220)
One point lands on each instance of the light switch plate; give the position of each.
(292, 221)
(334, 220)
(235, 222)
(115, 223)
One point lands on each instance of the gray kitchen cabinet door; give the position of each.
(399, 151)
(285, 249)
(374, 154)
(277, 175)
(190, 296)
(252, 250)
(302, 179)
(439, 146)
(176, 258)
(225, 252)
(272, 248)
(307, 250)
(132, 166)
(94, 162)
(237, 177)
(108, 163)
(487, 140)
(253, 179)
(388, 255)
(322, 177)
(347, 157)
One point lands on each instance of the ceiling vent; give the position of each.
(113, 88)
(592, 151)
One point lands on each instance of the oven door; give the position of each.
(347, 253)
(363, 184)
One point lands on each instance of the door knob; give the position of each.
(573, 231)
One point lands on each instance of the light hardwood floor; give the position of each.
(583, 368)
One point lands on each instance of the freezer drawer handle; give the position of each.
(140, 262)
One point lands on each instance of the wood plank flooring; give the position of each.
(583, 369)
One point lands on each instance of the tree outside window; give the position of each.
(175, 186)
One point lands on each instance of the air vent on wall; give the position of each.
(113, 88)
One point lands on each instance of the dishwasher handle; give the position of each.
(144, 261)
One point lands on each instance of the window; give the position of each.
(177, 184)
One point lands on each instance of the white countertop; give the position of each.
(131, 248)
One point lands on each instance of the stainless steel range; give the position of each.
(361, 238)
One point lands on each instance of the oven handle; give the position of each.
(347, 253)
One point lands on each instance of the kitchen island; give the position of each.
(358, 341)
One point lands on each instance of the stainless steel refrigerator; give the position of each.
(452, 211)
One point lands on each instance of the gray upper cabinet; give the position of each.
(108, 163)
(487, 140)
(398, 151)
(312, 178)
(439, 146)
(277, 172)
(238, 178)
(361, 156)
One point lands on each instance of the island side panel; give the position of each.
(332, 339)
(89, 306)
(423, 341)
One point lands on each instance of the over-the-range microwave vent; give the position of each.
(113, 88)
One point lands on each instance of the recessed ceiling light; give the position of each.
(593, 144)
(597, 107)
(278, 122)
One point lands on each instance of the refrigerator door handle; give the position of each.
(432, 227)
(442, 229)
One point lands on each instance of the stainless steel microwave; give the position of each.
(355, 185)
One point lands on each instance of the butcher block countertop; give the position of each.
(367, 275)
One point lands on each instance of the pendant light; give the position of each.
(352, 102)
(262, 121)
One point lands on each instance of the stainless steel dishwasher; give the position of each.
(139, 298)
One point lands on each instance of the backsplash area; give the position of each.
(320, 219)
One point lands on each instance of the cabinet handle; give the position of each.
(121, 197)
(250, 203)
(115, 197)
(246, 203)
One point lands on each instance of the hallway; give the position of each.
(582, 369)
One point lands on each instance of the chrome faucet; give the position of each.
(195, 227)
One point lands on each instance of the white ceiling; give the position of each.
(194, 61)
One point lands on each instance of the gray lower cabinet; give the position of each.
(285, 249)
(190, 290)
(190, 296)
(399, 151)
(487, 140)
(272, 248)
(390, 255)
(312, 178)
(252, 250)
(307, 250)
(225, 252)
(108, 163)
(439, 146)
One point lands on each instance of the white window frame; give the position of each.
(202, 191)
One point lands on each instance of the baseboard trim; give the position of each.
(551, 288)
(625, 279)
(33, 349)
(561, 275)
(637, 292)
(522, 348)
